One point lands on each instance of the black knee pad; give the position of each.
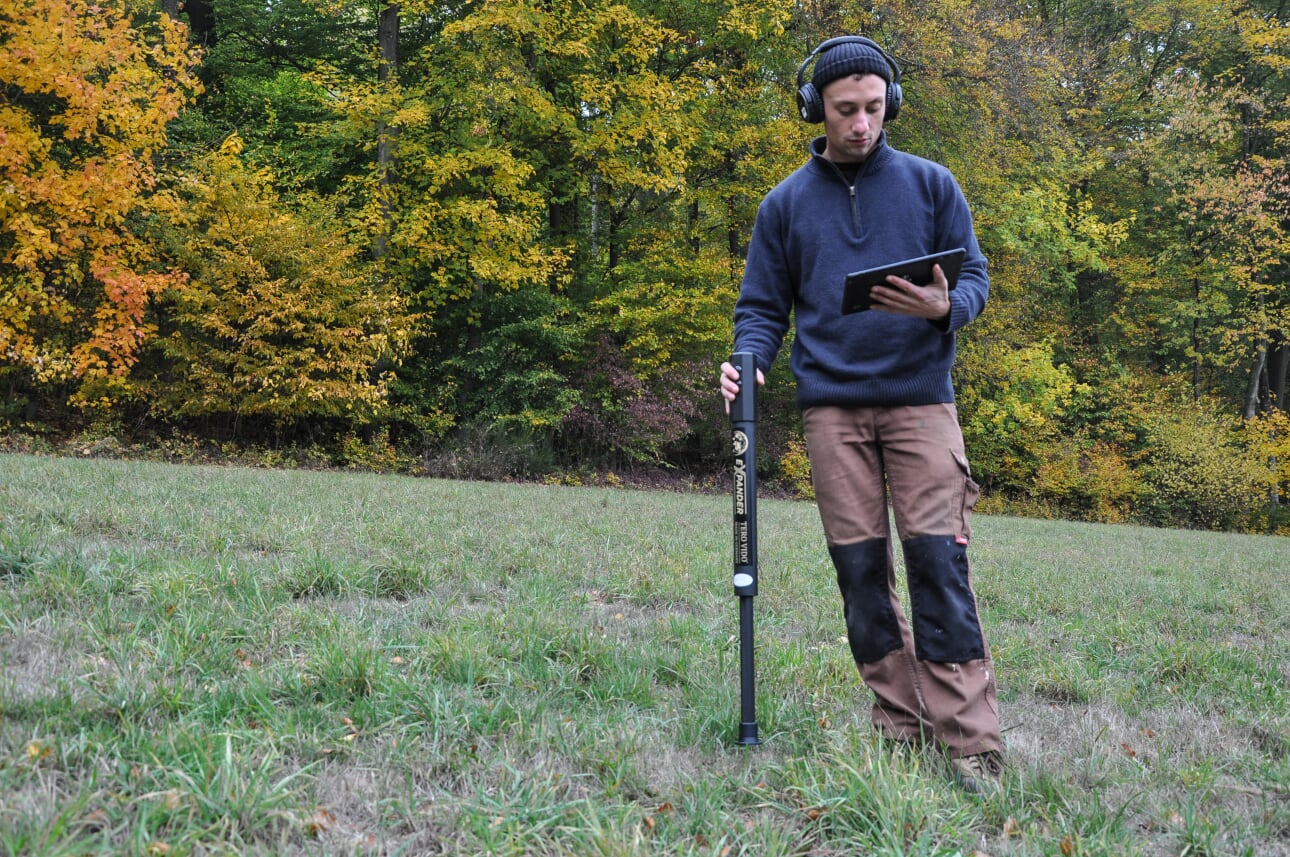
(872, 629)
(942, 606)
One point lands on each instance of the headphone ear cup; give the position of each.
(895, 96)
(809, 105)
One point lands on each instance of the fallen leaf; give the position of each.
(1011, 827)
(95, 819)
(321, 822)
(1068, 845)
(1129, 751)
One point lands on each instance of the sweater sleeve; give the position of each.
(766, 295)
(955, 229)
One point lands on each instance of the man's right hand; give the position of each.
(730, 382)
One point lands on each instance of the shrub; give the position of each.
(622, 418)
(1012, 408)
(1268, 438)
(491, 452)
(1197, 473)
(1091, 481)
(795, 470)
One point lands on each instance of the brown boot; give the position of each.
(979, 773)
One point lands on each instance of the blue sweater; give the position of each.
(811, 231)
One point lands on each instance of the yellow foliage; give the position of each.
(1268, 438)
(1093, 481)
(1201, 472)
(84, 104)
(277, 318)
(795, 464)
(756, 19)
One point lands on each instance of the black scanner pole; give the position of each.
(743, 430)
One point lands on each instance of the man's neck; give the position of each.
(849, 169)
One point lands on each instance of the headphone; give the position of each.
(810, 104)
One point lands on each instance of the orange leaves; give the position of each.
(86, 98)
(37, 751)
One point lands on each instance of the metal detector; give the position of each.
(743, 425)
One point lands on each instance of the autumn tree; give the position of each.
(86, 99)
(277, 320)
(542, 202)
(1184, 102)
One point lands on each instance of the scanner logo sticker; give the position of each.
(740, 443)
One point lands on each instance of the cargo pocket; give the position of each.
(967, 494)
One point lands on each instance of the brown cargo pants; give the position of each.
(932, 675)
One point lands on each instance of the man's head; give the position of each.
(846, 56)
(854, 88)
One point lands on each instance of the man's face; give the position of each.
(853, 114)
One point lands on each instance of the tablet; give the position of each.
(855, 297)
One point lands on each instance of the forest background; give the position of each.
(503, 239)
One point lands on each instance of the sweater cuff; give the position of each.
(958, 317)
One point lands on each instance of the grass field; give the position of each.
(199, 660)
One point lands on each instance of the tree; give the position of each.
(278, 319)
(86, 99)
(1185, 101)
(549, 148)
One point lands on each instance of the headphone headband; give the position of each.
(810, 103)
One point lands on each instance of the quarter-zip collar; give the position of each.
(871, 165)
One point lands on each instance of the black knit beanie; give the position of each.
(846, 59)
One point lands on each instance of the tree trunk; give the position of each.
(201, 21)
(388, 37)
(1255, 383)
(1278, 364)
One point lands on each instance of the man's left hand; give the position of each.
(931, 301)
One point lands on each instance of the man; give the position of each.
(876, 398)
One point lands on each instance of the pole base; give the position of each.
(748, 734)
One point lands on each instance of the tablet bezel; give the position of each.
(855, 293)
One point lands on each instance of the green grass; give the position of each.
(199, 660)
